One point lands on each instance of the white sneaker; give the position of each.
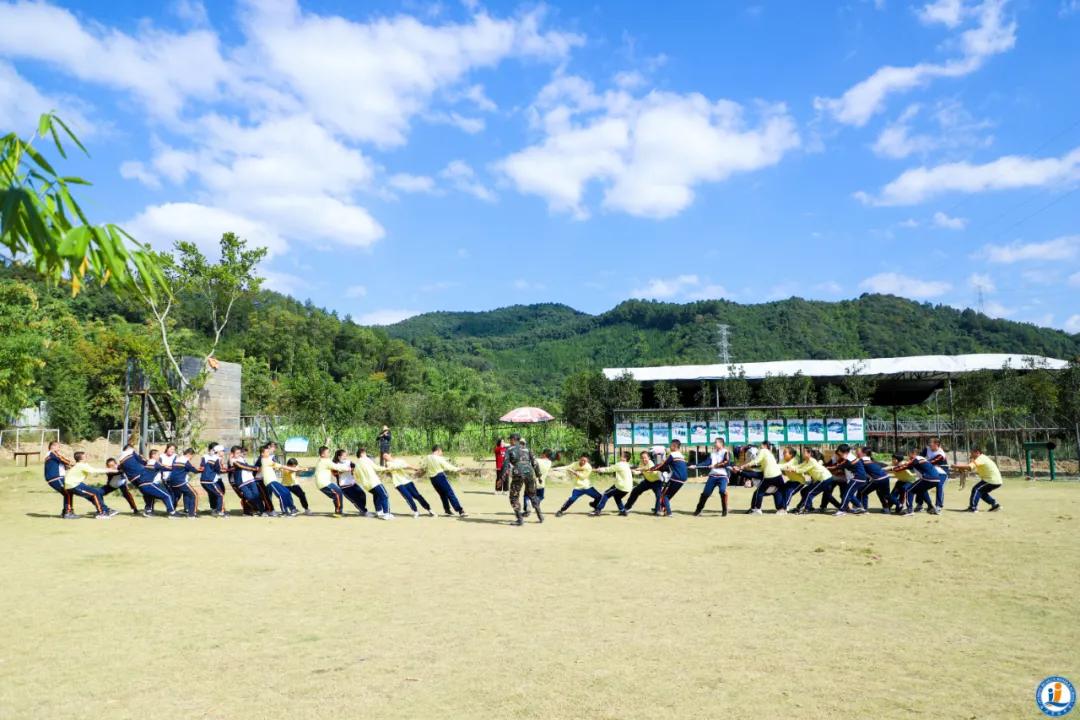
(839, 513)
(371, 514)
(416, 513)
(755, 512)
(388, 516)
(781, 512)
(378, 515)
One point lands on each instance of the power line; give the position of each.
(723, 343)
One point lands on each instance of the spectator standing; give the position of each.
(383, 441)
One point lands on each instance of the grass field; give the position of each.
(744, 617)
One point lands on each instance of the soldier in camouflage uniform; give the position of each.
(523, 470)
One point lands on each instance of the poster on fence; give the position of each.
(834, 430)
(736, 431)
(775, 430)
(694, 432)
(796, 430)
(755, 431)
(717, 430)
(855, 430)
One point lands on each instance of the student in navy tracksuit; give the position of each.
(929, 478)
(178, 485)
(243, 479)
(144, 475)
(260, 481)
(675, 465)
(210, 478)
(115, 480)
(878, 480)
(56, 466)
(858, 480)
(936, 455)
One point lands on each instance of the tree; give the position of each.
(217, 287)
(41, 220)
(666, 395)
(774, 390)
(23, 343)
(735, 391)
(583, 404)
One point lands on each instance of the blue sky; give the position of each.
(415, 156)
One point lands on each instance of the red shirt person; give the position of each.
(500, 460)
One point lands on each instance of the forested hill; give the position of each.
(533, 347)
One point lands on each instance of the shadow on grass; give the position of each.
(485, 521)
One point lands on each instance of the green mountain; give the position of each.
(532, 348)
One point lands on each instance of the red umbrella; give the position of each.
(527, 415)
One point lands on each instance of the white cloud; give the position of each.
(470, 125)
(891, 283)
(21, 104)
(647, 152)
(134, 170)
(954, 128)
(356, 291)
(399, 62)
(528, 285)
(659, 289)
(943, 220)
(385, 317)
(830, 287)
(284, 283)
(163, 69)
(163, 225)
(412, 183)
(462, 177)
(710, 292)
(1010, 172)
(909, 223)
(1069, 7)
(989, 35)
(192, 12)
(982, 281)
(1062, 248)
(947, 12)
(1074, 280)
(1073, 324)
(997, 310)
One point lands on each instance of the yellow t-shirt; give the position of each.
(646, 473)
(545, 468)
(398, 470)
(582, 475)
(288, 476)
(367, 473)
(434, 464)
(767, 462)
(78, 473)
(624, 475)
(791, 470)
(906, 475)
(269, 470)
(323, 471)
(985, 468)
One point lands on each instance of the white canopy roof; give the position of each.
(922, 366)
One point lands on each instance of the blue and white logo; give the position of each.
(1056, 696)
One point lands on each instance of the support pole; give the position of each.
(895, 430)
(144, 423)
(993, 426)
(952, 414)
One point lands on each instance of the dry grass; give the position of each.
(744, 617)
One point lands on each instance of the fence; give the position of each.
(21, 439)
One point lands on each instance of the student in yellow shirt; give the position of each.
(989, 480)
(435, 467)
(819, 478)
(269, 468)
(581, 471)
(650, 480)
(793, 479)
(75, 483)
(288, 479)
(544, 462)
(326, 482)
(369, 477)
(399, 472)
(772, 478)
(624, 483)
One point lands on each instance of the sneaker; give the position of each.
(370, 514)
(559, 513)
(755, 512)
(595, 513)
(839, 513)
(463, 514)
(272, 513)
(971, 509)
(933, 511)
(388, 516)
(781, 511)
(104, 515)
(431, 514)
(416, 513)
(379, 514)
(136, 513)
(148, 513)
(624, 513)
(307, 512)
(518, 522)
(193, 516)
(69, 516)
(173, 515)
(995, 508)
(524, 513)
